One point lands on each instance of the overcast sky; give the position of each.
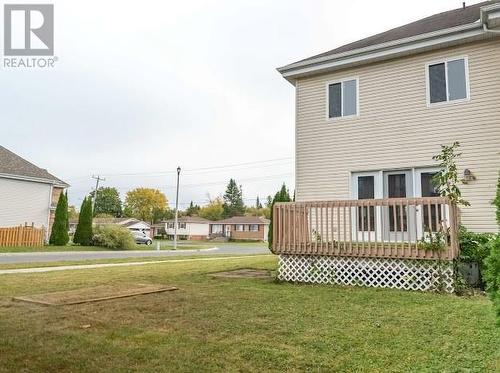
(144, 86)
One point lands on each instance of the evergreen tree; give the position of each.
(59, 235)
(258, 205)
(233, 200)
(269, 201)
(192, 210)
(83, 233)
(282, 196)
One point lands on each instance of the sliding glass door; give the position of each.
(397, 221)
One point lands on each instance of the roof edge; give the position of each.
(376, 47)
(59, 183)
(415, 44)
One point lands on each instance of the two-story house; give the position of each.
(370, 115)
(28, 193)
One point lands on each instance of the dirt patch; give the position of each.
(93, 294)
(244, 273)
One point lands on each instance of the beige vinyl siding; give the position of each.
(396, 129)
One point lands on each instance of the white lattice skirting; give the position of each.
(404, 274)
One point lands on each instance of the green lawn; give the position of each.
(241, 325)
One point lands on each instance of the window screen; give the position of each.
(335, 100)
(437, 82)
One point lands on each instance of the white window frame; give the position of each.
(341, 82)
(253, 226)
(237, 227)
(428, 87)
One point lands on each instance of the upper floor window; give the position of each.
(342, 98)
(447, 81)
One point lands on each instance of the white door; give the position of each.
(366, 185)
(399, 220)
(431, 217)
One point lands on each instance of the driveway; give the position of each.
(227, 249)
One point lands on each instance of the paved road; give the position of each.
(103, 265)
(8, 258)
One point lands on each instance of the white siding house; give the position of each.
(28, 194)
(189, 227)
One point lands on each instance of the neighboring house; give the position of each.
(370, 115)
(130, 223)
(28, 194)
(188, 228)
(241, 228)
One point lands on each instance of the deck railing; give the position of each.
(376, 228)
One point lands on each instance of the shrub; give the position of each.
(492, 274)
(113, 237)
(475, 247)
(496, 201)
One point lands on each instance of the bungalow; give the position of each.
(28, 194)
(241, 228)
(188, 228)
(370, 115)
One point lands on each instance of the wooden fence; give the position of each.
(22, 236)
(375, 228)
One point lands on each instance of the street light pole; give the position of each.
(176, 209)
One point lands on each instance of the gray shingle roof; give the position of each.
(12, 164)
(441, 21)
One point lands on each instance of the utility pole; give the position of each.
(97, 178)
(176, 209)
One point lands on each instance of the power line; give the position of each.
(261, 166)
(212, 183)
(202, 168)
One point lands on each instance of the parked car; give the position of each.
(142, 238)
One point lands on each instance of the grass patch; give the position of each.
(214, 324)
